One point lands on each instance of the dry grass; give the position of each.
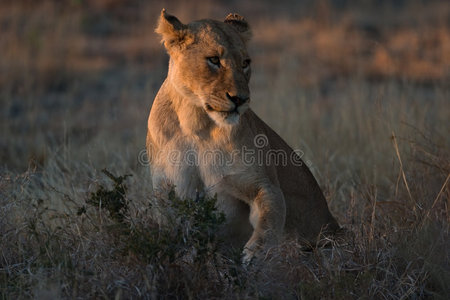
(361, 89)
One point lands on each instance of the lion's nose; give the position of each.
(237, 100)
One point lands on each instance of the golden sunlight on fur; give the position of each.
(203, 108)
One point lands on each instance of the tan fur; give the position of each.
(192, 116)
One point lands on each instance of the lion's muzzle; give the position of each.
(237, 100)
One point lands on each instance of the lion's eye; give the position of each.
(246, 63)
(214, 60)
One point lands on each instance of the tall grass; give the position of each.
(364, 98)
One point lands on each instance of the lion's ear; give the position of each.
(172, 31)
(240, 24)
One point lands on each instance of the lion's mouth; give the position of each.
(209, 108)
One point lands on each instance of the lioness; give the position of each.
(202, 136)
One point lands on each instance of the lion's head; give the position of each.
(209, 64)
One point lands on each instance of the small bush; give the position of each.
(191, 228)
(114, 201)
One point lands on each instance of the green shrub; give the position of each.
(191, 227)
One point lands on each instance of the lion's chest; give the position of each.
(201, 167)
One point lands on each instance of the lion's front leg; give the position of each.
(267, 216)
